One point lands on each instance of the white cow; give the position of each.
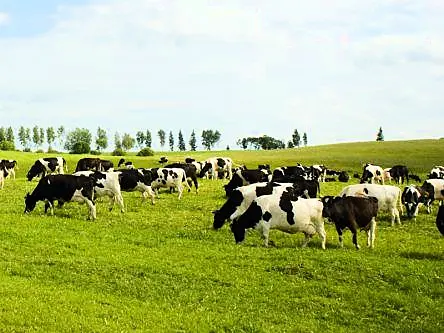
(169, 177)
(214, 165)
(389, 197)
(434, 189)
(372, 173)
(277, 211)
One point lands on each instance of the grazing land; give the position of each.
(162, 268)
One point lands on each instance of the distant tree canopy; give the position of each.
(181, 143)
(210, 138)
(262, 142)
(7, 139)
(101, 139)
(171, 141)
(162, 136)
(192, 141)
(79, 141)
(380, 135)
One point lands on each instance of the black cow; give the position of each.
(10, 166)
(163, 160)
(399, 173)
(440, 220)
(288, 174)
(416, 178)
(190, 172)
(64, 188)
(353, 213)
(46, 165)
(246, 177)
(127, 164)
(343, 176)
(433, 189)
(136, 180)
(93, 163)
(189, 160)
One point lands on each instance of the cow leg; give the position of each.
(395, 217)
(371, 234)
(265, 233)
(119, 200)
(149, 192)
(339, 231)
(321, 231)
(307, 239)
(180, 190)
(49, 204)
(354, 235)
(92, 208)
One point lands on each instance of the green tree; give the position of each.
(181, 144)
(192, 141)
(296, 138)
(2, 134)
(162, 136)
(171, 141)
(140, 138)
(61, 135)
(380, 135)
(101, 139)
(243, 143)
(117, 141)
(10, 135)
(79, 141)
(50, 136)
(210, 138)
(23, 139)
(128, 142)
(148, 139)
(36, 136)
(41, 136)
(305, 139)
(290, 144)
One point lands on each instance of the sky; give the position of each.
(337, 70)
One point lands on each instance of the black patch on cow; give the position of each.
(266, 216)
(264, 190)
(221, 162)
(286, 205)
(440, 220)
(227, 209)
(164, 182)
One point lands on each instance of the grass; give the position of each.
(162, 268)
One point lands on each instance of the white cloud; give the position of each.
(4, 18)
(336, 70)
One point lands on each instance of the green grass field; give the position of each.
(162, 268)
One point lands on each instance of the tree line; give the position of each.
(267, 142)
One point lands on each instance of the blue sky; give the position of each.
(336, 70)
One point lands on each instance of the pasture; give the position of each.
(162, 268)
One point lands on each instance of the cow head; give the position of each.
(411, 198)
(327, 203)
(238, 231)
(36, 170)
(218, 220)
(30, 203)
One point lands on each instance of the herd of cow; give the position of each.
(285, 198)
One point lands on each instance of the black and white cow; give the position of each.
(343, 176)
(437, 172)
(94, 163)
(246, 177)
(412, 198)
(353, 213)
(214, 165)
(47, 165)
(137, 180)
(318, 172)
(169, 177)
(282, 212)
(127, 164)
(10, 166)
(433, 189)
(105, 184)
(372, 173)
(3, 175)
(288, 174)
(440, 220)
(241, 198)
(389, 197)
(64, 188)
(399, 173)
(190, 172)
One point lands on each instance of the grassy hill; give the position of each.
(162, 268)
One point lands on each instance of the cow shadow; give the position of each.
(421, 255)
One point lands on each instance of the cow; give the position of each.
(389, 197)
(433, 190)
(127, 164)
(437, 172)
(94, 163)
(246, 177)
(46, 165)
(318, 172)
(282, 212)
(416, 178)
(353, 213)
(169, 177)
(190, 171)
(412, 198)
(372, 173)
(163, 160)
(214, 165)
(386, 175)
(241, 198)
(3, 175)
(105, 184)
(10, 166)
(137, 180)
(64, 188)
(189, 160)
(440, 220)
(343, 177)
(399, 173)
(288, 174)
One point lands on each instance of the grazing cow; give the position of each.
(264, 167)
(105, 184)
(399, 173)
(386, 175)
(246, 177)
(46, 165)
(412, 197)
(214, 165)
(189, 160)
(127, 164)
(190, 171)
(440, 220)
(136, 180)
(389, 197)
(437, 172)
(288, 174)
(433, 190)
(64, 188)
(353, 213)
(372, 173)
(106, 165)
(10, 166)
(416, 178)
(318, 172)
(3, 174)
(169, 177)
(94, 163)
(163, 160)
(343, 177)
(282, 212)
(241, 198)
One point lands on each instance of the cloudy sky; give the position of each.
(336, 70)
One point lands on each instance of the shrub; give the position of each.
(27, 150)
(7, 145)
(94, 152)
(118, 152)
(52, 151)
(146, 152)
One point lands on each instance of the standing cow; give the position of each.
(372, 173)
(47, 165)
(9, 166)
(214, 165)
(433, 190)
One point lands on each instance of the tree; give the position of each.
(50, 136)
(36, 136)
(162, 135)
(380, 135)
(210, 138)
(28, 135)
(171, 141)
(243, 143)
(117, 141)
(2, 134)
(23, 139)
(61, 135)
(148, 139)
(10, 134)
(128, 142)
(192, 141)
(290, 144)
(41, 136)
(79, 141)
(101, 139)
(296, 138)
(140, 138)
(305, 139)
(181, 144)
